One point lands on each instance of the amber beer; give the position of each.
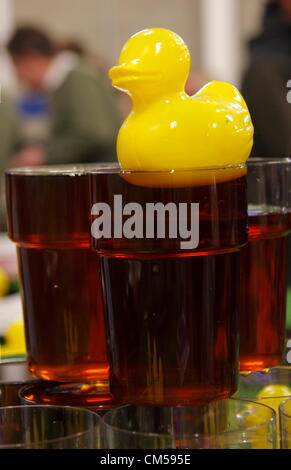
(263, 289)
(264, 264)
(172, 313)
(48, 219)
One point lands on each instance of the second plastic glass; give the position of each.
(226, 424)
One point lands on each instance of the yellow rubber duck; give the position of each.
(167, 129)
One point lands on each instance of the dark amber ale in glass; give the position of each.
(48, 219)
(172, 314)
(263, 289)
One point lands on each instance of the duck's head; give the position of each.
(152, 62)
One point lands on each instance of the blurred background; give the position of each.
(43, 41)
(103, 27)
(57, 104)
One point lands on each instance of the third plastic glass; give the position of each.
(264, 265)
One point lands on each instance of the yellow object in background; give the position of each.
(166, 128)
(14, 341)
(4, 283)
(272, 396)
(276, 394)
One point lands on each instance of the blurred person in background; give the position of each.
(97, 62)
(9, 141)
(84, 114)
(9, 131)
(265, 82)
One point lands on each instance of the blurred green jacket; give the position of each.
(9, 131)
(85, 119)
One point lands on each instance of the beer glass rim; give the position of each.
(272, 419)
(62, 170)
(261, 161)
(117, 169)
(96, 420)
